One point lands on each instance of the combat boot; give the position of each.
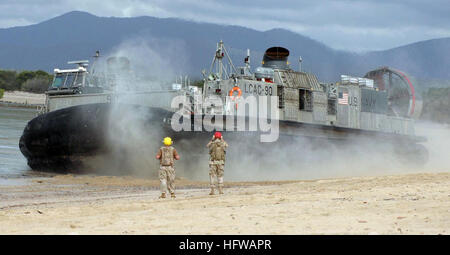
(163, 195)
(212, 192)
(172, 195)
(220, 190)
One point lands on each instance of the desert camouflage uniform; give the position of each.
(167, 179)
(167, 169)
(216, 165)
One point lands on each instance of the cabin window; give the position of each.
(78, 81)
(305, 100)
(58, 81)
(280, 97)
(67, 80)
(332, 106)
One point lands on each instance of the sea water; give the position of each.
(13, 164)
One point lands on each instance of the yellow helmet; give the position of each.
(167, 141)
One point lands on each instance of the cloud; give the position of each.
(342, 24)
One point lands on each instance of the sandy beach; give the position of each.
(67, 204)
(24, 98)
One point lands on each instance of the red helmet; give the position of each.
(217, 135)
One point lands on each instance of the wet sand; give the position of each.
(67, 204)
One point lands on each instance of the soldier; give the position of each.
(166, 156)
(217, 147)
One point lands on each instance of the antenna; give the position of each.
(96, 56)
(300, 63)
(217, 62)
(247, 59)
(80, 63)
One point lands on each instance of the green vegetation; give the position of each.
(29, 81)
(8, 80)
(1, 93)
(436, 105)
(38, 84)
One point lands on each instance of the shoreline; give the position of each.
(22, 99)
(7, 104)
(71, 204)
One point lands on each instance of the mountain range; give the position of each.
(189, 46)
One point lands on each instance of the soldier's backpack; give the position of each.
(217, 151)
(167, 156)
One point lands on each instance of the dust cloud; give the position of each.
(301, 158)
(437, 144)
(304, 158)
(132, 138)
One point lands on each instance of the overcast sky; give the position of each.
(355, 25)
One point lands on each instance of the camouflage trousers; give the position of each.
(167, 178)
(216, 172)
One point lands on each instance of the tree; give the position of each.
(436, 102)
(1, 93)
(38, 84)
(23, 76)
(11, 80)
(8, 80)
(41, 73)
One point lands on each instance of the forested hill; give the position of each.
(189, 46)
